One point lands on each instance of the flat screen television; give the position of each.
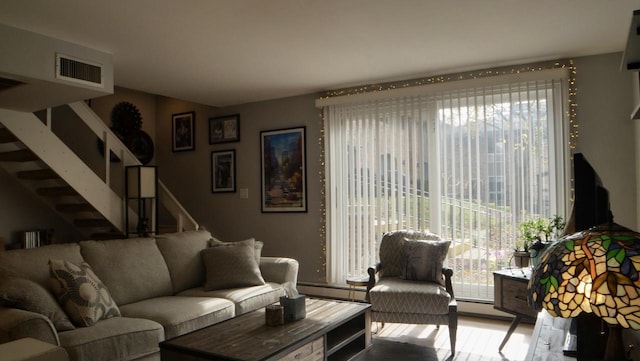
(590, 208)
(591, 200)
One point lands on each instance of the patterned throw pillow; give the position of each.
(231, 265)
(424, 259)
(29, 296)
(81, 293)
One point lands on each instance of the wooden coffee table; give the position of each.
(332, 330)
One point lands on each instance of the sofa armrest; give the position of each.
(281, 270)
(16, 324)
(29, 349)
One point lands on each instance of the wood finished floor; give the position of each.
(476, 335)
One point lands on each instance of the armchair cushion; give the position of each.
(392, 256)
(424, 259)
(396, 295)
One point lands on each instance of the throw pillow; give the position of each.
(231, 265)
(424, 259)
(258, 245)
(81, 293)
(29, 296)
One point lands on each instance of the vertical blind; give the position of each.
(468, 161)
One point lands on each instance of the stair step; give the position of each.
(6, 136)
(57, 191)
(22, 155)
(38, 174)
(75, 207)
(92, 222)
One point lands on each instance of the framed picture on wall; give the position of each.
(223, 171)
(224, 129)
(283, 170)
(183, 131)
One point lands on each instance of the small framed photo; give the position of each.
(223, 171)
(283, 170)
(183, 131)
(224, 129)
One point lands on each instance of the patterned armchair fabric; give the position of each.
(395, 299)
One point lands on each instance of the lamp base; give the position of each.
(615, 346)
(591, 341)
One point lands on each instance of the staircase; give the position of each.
(88, 196)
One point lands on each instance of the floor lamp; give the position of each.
(141, 186)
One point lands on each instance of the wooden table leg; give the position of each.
(512, 328)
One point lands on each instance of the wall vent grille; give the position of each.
(80, 71)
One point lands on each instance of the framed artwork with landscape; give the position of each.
(224, 129)
(223, 171)
(183, 135)
(283, 170)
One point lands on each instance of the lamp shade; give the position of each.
(141, 181)
(594, 271)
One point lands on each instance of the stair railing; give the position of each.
(113, 144)
(41, 141)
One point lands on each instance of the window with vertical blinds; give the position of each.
(468, 160)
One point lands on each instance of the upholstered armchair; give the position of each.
(410, 285)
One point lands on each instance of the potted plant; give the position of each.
(535, 235)
(521, 253)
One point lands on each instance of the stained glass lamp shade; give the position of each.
(594, 271)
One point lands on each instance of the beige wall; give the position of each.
(146, 104)
(22, 211)
(606, 137)
(606, 132)
(188, 176)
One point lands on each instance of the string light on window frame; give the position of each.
(574, 129)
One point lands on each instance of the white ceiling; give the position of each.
(225, 52)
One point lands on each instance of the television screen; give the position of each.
(591, 203)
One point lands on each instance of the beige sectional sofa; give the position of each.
(157, 285)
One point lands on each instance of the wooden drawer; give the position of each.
(312, 351)
(511, 296)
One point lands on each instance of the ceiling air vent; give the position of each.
(80, 71)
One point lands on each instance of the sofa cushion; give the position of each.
(257, 246)
(133, 269)
(246, 299)
(231, 265)
(179, 315)
(396, 295)
(118, 338)
(181, 252)
(33, 263)
(81, 293)
(424, 259)
(29, 296)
